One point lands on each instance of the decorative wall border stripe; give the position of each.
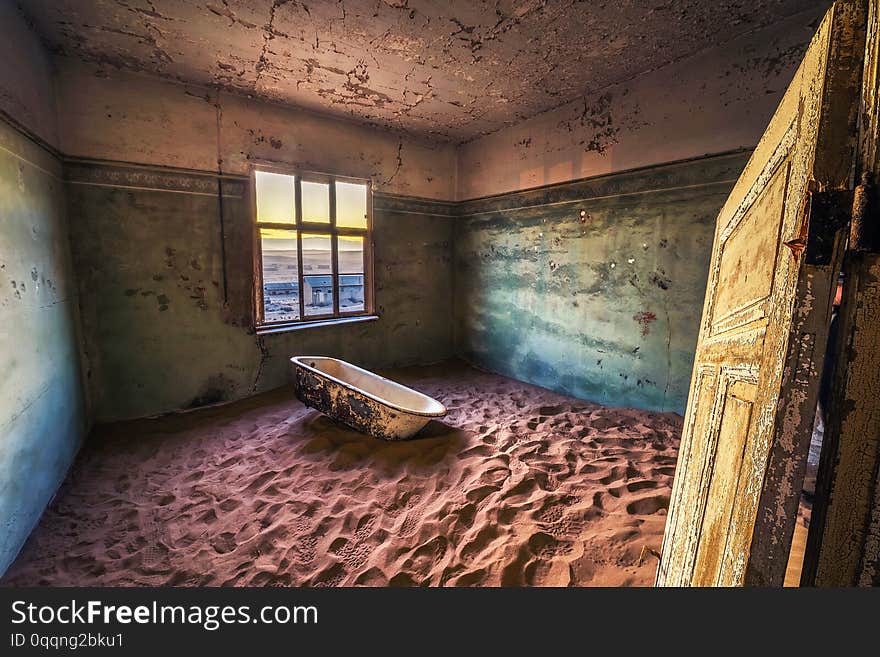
(24, 147)
(157, 179)
(414, 205)
(720, 170)
(704, 172)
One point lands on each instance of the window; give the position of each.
(313, 247)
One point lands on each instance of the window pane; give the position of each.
(351, 205)
(351, 274)
(351, 254)
(351, 293)
(280, 275)
(318, 275)
(275, 198)
(316, 202)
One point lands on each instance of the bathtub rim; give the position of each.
(296, 360)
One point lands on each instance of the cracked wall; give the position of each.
(114, 115)
(717, 101)
(161, 331)
(593, 288)
(121, 116)
(43, 414)
(448, 71)
(167, 320)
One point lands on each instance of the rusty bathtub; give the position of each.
(362, 400)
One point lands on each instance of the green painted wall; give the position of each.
(42, 406)
(605, 309)
(604, 306)
(166, 322)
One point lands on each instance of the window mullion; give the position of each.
(369, 273)
(334, 248)
(297, 202)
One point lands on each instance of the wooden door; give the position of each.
(778, 243)
(843, 548)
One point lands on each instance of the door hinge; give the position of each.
(830, 212)
(864, 231)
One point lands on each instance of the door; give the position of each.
(778, 244)
(843, 548)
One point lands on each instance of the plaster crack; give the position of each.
(668, 353)
(226, 12)
(264, 356)
(399, 163)
(269, 33)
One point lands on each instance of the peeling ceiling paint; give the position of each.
(448, 71)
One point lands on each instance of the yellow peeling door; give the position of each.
(778, 243)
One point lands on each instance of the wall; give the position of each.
(157, 278)
(116, 115)
(716, 101)
(166, 317)
(166, 329)
(603, 306)
(608, 309)
(43, 415)
(27, 97)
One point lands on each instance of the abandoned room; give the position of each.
(408, 293)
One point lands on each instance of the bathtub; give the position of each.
(362, 400)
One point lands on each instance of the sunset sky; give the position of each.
(275, 239)
(275, 201)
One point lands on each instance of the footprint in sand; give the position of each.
(617, 473)
(425, 557)
(229, 505)
(165, 500)
(410, 523)
(634, 486)
(371, 577)
(480, 493)
(545, 546)
(648, 505)
(403, 580)
(472, 578)
(224, 543)
(354, 553)
(464, 517)
(480, 543)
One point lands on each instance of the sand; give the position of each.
(517, 486)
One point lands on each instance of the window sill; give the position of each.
(270, 329)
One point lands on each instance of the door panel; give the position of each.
(734, 422)
(747, 254)
(755, 383)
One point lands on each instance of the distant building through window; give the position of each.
(314, 247)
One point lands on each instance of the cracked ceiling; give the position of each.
(448, 71)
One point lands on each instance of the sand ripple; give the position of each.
(517, 486)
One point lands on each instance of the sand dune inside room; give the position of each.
(516, 486)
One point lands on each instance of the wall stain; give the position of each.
(537, 298)
(660, 279)
(644, 319)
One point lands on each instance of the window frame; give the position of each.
(299, 226)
